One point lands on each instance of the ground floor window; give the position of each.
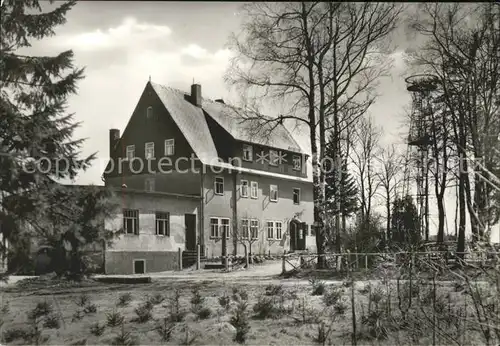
(274, 229)
(244, 229)
(131, 221)
(254, 229)
(163, 223)
(219, 225)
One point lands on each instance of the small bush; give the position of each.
(124, 338)
(52, 321)
(224, 301)
(82, 300)
(239, 295)
(175, 312)
(77, 316)
(340, 308)
(41, 309)
(274, 290)
(90, 309)
(332, 296)
(5, 308)
(14, 334)
(114, 319)
(322, 334)
(188, 339)
(197, 299)
(265, 308)
(203, 313)
(240, 321)
(124, 299)
(144, 313)
(376, 295)
(165, 329)
(156, 299)
(318, 287)
(97, 329)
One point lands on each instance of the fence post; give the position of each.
(283, 264)
(179, 256)
(198, 257)
(366, 261)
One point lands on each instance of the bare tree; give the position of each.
(389, 179)
(462, 48)
(322, 60)
(364, 152)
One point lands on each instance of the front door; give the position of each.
(297, 236)
(190, 223)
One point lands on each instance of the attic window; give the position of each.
(247, 152)
(149, 112)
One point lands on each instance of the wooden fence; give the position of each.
(359, 261)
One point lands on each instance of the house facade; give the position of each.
(191, 172)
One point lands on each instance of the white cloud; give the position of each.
(128, 33)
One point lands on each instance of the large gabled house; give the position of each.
(191, 171)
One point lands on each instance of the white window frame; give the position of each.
(254, 223)
(273, 161)
(218, 227)
(245, 228)
(138, 260)
(162, 217)
(149, 112)
(248, 148)
(131, 214)
(149, 146)
(228, 225)
(244, 183)
(278, 230)
(216, 235)
(271, 193)
(256, 185)
(169, 147)
(270, 229)
(130, 152)
(149, 184)
(215, 186)
(297, 159)
(293, 194)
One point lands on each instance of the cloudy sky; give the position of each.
(121, 44)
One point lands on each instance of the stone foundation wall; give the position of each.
(122, 262)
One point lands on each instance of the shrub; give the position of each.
(16, 333)
(175, 312)
(165, 329)
(124, 299)
(90, 309)
(77, 316)
(332, 296)
(82, 300)
(197, 299)
(274, 290)
(41, 309)
(156, 299)
(240, 321)
(318, 287)
(52, 321)
(5, 308)
(203, 313)
(225, 301)
(114, 319)
(143, 312)
(97, 329)
(124, 338)
(265, 308)
(340, 308)
(239, 295)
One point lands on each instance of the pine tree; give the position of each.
(348, 187)
(405, 225)
(37, 147)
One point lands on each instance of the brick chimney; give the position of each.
(196, 95)
(114, 136)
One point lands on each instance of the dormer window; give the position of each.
(297, 163)
(149, 150)
(149, 112)
(130, 152)
(169, 147)
(247, 152)
(273, 157)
